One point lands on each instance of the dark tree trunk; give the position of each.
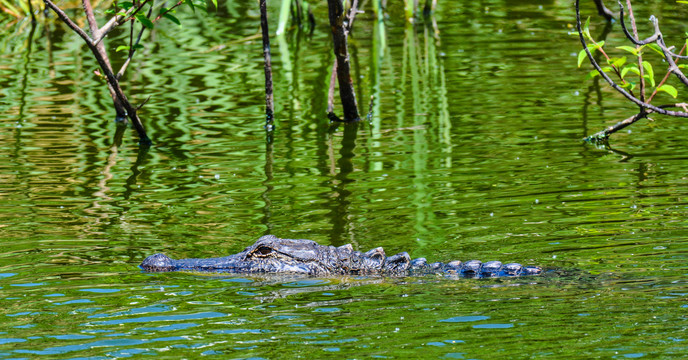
(339, 39)
(269, 107)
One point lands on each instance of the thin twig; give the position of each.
(116, 21)
(634, 39)
(641, 69)
(61, 14)
(330, 92)
(370, 108)
(351, 16)
(666, 77)
(168, 10)
(143, 103)
(668, 55)
(132, 47)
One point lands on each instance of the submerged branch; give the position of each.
(604, 134)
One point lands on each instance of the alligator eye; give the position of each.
(263, 250)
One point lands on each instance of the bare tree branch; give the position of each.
(641, 68)
(116, 21)
(61, 14)
(132, 46)
(111, 79)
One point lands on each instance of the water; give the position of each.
(474, 151)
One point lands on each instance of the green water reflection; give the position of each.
(473, 151)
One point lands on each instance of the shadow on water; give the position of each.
(595, 85)
(268, 169)
(339, 203)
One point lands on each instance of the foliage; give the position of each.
(19, 8)
(633, 68)
(620, 66)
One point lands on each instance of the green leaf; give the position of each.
(618, 62)
(110, 11)
(592, 74)
(681, 2)
(145, 20)
(214, 2)
(631, 68)
(581, 57)
(669, 90)
(172, 18)
(138, 47)
(654, 47)
(126, 5)
(592, 48)
(122, 47)
(586, 28)
(191, 5)
(649, 73)
(630, 49)
(629, 85)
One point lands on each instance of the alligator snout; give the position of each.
(158, 262)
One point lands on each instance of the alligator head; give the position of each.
(271, 254)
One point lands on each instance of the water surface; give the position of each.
(474, 152)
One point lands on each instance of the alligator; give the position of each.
(271, 254)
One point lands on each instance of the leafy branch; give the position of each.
(641, 68)
(125, 11)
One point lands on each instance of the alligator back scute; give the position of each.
(453, 267)
(491, 269)
(472, 268)
(531, 270)
(397, 264)
(373, 260)
(512, 269)
(418, 264)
